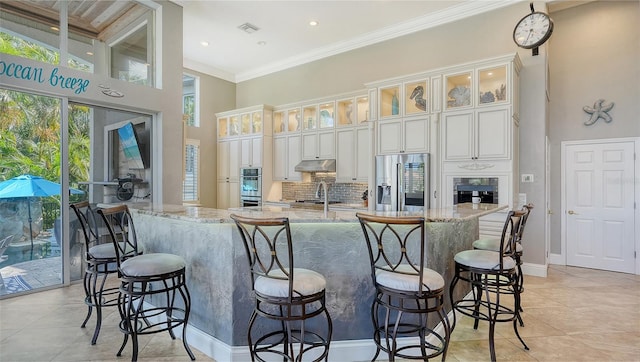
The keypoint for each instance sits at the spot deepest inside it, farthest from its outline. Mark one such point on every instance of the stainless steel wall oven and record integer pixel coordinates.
(250, 187)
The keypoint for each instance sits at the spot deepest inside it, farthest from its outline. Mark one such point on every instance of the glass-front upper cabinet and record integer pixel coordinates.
(286, 121)
(352, 111)
(492, 85)
(251, 123)
(294, 121)
(234, 126)
(256, 122)
(415, 97)
(458, 90)
(345, 113)
(245, 121)
(389, 101)
(362, 111)
(326, 115)
(279, 124)
(309, 118)
(223, 127)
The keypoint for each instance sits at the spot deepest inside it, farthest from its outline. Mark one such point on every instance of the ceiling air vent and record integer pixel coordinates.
(248, 28)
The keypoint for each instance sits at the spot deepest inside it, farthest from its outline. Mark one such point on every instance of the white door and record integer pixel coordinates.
(599, 194)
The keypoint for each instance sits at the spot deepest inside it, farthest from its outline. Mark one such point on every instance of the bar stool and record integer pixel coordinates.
(100, 262)
(492, 275)
(493, 244)
(153, 295)
(406, 290)
(291, 296)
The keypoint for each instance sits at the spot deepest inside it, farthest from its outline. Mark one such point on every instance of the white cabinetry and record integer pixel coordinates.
(286, 154)
(251, 152)
(244, 140)
(354, 157)
(318, 133)
(319, 145)
(483, 134)
(228, 174)
(479, 130)
(403, 135)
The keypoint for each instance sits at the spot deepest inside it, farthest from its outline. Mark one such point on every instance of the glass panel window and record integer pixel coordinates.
(24, 37)
(190, 100)
(190, 183)
(130, 58)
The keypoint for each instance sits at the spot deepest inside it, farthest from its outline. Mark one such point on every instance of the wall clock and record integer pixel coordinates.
(533, 30)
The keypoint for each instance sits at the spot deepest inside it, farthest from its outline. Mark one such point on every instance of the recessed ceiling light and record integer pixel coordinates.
(262, 42)
(313, 23)
(204, 43)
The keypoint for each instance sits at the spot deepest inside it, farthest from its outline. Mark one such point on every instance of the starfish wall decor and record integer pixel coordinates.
(598, 111)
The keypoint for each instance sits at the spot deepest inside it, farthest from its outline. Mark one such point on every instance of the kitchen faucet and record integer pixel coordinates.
(326, 200)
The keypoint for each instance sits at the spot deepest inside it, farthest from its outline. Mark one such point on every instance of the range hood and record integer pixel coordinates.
(316, 166)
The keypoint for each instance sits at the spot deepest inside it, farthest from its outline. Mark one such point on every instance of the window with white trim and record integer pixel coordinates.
(191, 182)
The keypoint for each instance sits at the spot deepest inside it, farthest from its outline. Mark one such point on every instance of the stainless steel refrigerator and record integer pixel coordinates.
(402, 182)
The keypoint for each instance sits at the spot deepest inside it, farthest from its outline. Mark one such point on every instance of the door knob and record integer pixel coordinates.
(571, 212)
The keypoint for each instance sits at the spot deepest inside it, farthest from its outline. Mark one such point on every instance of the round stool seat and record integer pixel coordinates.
(305, 282)
(493, 245)
(431, 279)
(484, 259)
(107, 251)
(150, 265)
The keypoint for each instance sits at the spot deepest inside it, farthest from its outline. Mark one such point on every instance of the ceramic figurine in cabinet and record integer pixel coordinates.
(418, 96)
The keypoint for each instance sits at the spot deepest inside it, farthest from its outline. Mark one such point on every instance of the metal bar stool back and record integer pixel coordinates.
(100, 261)
(288, 295)
(494, 244)
(153, 295)
(494, 281)
(407, 292)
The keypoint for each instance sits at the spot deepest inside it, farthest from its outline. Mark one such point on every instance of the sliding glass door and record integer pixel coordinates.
(30, 192)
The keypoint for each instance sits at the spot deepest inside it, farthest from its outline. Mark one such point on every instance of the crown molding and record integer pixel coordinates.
(448, 15)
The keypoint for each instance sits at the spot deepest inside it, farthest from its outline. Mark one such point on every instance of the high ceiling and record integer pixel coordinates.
(286, 39)
(283, 37)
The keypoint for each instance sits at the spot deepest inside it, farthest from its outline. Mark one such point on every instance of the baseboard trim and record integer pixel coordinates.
(341, 351)
(536, 270)
(557, 259)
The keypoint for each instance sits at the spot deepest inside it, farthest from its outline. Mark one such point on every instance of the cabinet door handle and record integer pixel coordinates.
(571, 212)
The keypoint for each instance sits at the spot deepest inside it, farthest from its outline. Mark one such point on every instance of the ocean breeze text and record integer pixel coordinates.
(18, 71)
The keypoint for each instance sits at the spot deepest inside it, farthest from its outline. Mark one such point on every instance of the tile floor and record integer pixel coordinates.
(574, 314)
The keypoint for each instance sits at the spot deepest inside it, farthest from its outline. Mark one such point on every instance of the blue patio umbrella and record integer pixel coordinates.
(28, 186)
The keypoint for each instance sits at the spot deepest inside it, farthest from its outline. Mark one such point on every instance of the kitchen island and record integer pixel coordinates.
(331, 244)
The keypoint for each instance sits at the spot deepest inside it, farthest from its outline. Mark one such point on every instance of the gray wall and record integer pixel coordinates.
(167, 101)
(216, 95)
(479, 37)
(483, 36)
(594, 53)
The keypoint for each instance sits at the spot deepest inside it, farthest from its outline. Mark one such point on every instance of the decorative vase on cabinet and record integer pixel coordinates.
(395, 104)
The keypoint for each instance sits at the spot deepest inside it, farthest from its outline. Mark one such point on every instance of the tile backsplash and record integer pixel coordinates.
(349, 193)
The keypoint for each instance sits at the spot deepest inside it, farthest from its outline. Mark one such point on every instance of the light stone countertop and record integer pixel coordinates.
(300, 215)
